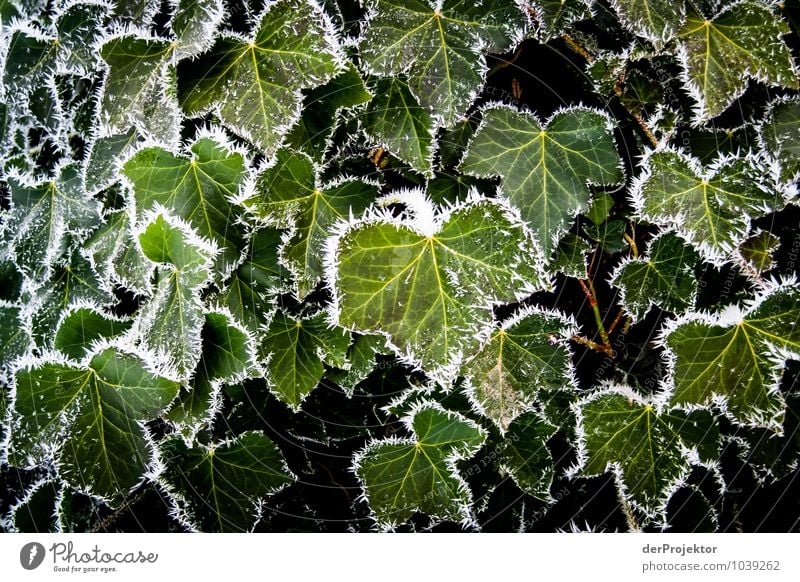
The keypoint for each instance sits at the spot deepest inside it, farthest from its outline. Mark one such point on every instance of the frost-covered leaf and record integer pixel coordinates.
(36, 512)
(440, 47)
(43, 216)
(361, 361)
(83, 326)
(14, 339)
(709, 208)
(31, 59)
(524, 455)
(665, 277)
(656, 20)
(646, 447)
(757, 250)
(194, 24)
(526, 354)
(139, 12)
(545, 170)
(78, 28)
(89, 419)
(254, 85)
(431, 291)
(737, 358)
(570, 257)
(140, 88)
(396, 121)
(200, 189)
(291, 195)
(743, 41)
(116, 256)
(104, 161)
(780, 135)
(401, 476)
(295, 350)
(553, 17)
(170, 323)
(219, 487)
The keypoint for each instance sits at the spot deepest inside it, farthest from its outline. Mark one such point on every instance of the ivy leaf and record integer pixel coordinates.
(194, 24)
(295, 350)
(430, 291)
(254, 86)
(35, 512)
(103, 164)
(439, 47)
(570, 257)
(554, 17)
(139, 12)
(665, 278)
(78, 28)
(89, 418)
(14, 339)
(710, 209)
(648, 448)
(656, 20)
(526, 354)
(84, 325)
(757, 250)
(361, 359)
(219, 487)
(780, 136)
(290, 195)
(737, 358)
(396, 121)
(116, 257)
(43, 216)
(401, 476)
(545, 169)
(140, 88)
(170, 323)
(742, 42)
(200, 190)
(31, 60)
(524, 455)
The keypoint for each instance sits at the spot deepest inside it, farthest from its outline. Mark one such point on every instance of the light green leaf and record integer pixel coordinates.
(289, 194)
(780, 136)
(401, 476)
(757, 250)
(646, 447)
(742, 42)
(431, 291)
(219, 488)
(545, 170)
(80, 328)
(140, 88)
(194, 24)
(655, 20)
(570, 257)
(524, 455)
(89, 418)
(664, 278)
(738, 358)
(43, 215)
(199, 189)
(526, 354)
(255, 85)
(295, 350)
(398, 123)
(601, 207)
(554, 17)
(440, 47)
(709, 209)
(361, 361)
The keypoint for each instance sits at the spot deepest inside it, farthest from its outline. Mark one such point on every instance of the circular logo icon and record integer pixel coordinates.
(31, 555)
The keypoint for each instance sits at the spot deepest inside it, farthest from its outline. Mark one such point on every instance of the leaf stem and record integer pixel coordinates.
(576, 47)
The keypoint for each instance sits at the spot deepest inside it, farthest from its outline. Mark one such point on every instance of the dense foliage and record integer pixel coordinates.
(327, 265)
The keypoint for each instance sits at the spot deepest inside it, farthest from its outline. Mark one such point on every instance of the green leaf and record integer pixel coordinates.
(646, 447)
(524, 455)
(116, 257)
(254, 86)
(194, 24)
(361, 361)
(742, 42)
(36, 512)
(780, 136)
(78, 28)
(140, 88)
(526, 354)
(554, 17)
(89, 419)
(430, 291)
(31, 59)
(199, 189)
(226, 357)
(601, 207)
(737, 358)
(440, 48)
(545, 169)
(140, 12)
(14, 338)
(295, 350)
(396, 121)
(710, 209)
(655, 20)
(219, 488)
(83, 326)
(401, 476)
(664, 278)
(42, 217)
(104, 162)
(570, 257)
(171, 322)
(757, 250)
(321, 112)
(289, 194)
